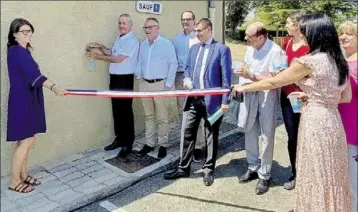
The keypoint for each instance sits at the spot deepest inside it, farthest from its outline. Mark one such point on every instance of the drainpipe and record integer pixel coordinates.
(212, 11)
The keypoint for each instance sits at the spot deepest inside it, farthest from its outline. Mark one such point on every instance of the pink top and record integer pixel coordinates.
(349, 111)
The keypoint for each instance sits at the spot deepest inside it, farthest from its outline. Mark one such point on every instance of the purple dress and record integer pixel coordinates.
(26, 112)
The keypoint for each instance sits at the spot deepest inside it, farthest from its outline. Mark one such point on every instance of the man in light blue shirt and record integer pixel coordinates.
(182, 43)
(156, 68)
(123, 59)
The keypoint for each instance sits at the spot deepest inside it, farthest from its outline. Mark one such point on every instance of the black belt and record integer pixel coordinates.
(153, 80)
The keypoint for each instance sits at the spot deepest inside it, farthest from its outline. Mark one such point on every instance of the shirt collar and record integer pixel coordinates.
(192, 33)
(158, 38)
(266, 46)
(129, 34)
(208, 42)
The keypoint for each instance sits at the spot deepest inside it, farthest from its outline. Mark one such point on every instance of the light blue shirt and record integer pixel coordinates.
(126, 45)
(157, 61)
(182, 43)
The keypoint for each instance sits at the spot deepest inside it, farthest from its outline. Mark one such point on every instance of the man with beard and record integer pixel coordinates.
(258, 113)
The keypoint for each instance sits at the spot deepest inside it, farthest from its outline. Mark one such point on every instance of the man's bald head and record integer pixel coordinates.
(256, 34)
(259, 28)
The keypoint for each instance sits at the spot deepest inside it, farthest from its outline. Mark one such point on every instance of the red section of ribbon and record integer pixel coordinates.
(147, 94)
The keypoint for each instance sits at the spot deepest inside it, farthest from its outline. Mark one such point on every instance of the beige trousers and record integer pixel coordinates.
(155, 108)
(200, 139)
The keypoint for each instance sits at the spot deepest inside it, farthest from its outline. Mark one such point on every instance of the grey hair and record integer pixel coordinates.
(127, 16)
(153, 19)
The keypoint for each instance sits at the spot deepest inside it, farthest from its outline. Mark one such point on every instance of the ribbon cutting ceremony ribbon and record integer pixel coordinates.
(146, 94)
(151, 94)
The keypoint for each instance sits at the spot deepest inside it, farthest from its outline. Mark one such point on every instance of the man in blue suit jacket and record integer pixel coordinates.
(208, 66)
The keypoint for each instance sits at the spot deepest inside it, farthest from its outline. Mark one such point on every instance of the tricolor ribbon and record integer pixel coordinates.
(147, 94)
(151, 94)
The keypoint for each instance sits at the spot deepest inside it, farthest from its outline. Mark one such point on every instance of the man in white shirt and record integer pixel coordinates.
(182, 43)
(258, 112)
(156, 68)
(122, 58)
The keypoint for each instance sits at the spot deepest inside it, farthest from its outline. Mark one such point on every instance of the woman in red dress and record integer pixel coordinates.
(295, 46)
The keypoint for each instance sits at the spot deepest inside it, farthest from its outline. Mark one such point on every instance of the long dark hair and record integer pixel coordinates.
(14, 28)
(322, 36)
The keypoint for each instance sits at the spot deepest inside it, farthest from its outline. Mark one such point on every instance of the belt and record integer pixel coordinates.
(153, 80)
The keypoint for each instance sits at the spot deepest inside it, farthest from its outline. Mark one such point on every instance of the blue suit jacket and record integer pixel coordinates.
(217, 73)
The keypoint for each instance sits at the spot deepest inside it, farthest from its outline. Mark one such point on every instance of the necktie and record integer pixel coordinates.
(197, 70)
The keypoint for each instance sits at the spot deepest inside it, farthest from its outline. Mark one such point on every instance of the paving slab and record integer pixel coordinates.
(83, 178)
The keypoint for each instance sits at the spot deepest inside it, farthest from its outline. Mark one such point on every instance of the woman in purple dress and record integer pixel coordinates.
(26, 112)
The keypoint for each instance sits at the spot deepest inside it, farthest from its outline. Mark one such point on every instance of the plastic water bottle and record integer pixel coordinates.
(92, 67)
(284, 60)
(276, 66)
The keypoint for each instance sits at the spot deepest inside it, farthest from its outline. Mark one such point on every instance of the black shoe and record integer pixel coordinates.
(124, 152)
(208, 179)
(114, 145)
(248, 176)
(291, 184)
(145, 150)
(197, 155)
(176, 173)
(162, 153)
(262, 186)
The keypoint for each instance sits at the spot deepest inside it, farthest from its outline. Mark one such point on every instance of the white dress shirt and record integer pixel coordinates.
(203, 64)
(126, 45)
(260, 61)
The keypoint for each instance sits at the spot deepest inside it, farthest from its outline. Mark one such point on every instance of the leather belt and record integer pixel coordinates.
(153, 80)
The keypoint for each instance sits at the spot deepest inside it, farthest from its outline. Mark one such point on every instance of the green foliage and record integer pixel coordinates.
(275, 12)
(338, 10)
(236, 11)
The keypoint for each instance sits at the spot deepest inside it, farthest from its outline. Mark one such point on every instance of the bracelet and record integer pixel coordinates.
(52, 86)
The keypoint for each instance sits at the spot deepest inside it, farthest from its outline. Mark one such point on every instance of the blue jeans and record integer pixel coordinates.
(291, 121)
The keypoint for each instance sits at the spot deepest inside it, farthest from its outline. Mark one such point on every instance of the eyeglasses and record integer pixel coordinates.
(25, 32)
(186, 19)
(251, 36)
(149, 27)
(199, 30)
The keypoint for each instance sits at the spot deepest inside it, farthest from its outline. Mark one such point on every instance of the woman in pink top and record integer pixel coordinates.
(348, 38)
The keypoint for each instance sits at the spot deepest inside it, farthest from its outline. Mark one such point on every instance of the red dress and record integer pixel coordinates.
(303, 50)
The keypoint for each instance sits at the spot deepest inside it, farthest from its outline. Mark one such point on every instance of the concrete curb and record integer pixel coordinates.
(99, 195)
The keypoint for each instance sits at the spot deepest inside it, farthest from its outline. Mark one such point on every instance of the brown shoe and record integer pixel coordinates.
(22, 188)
